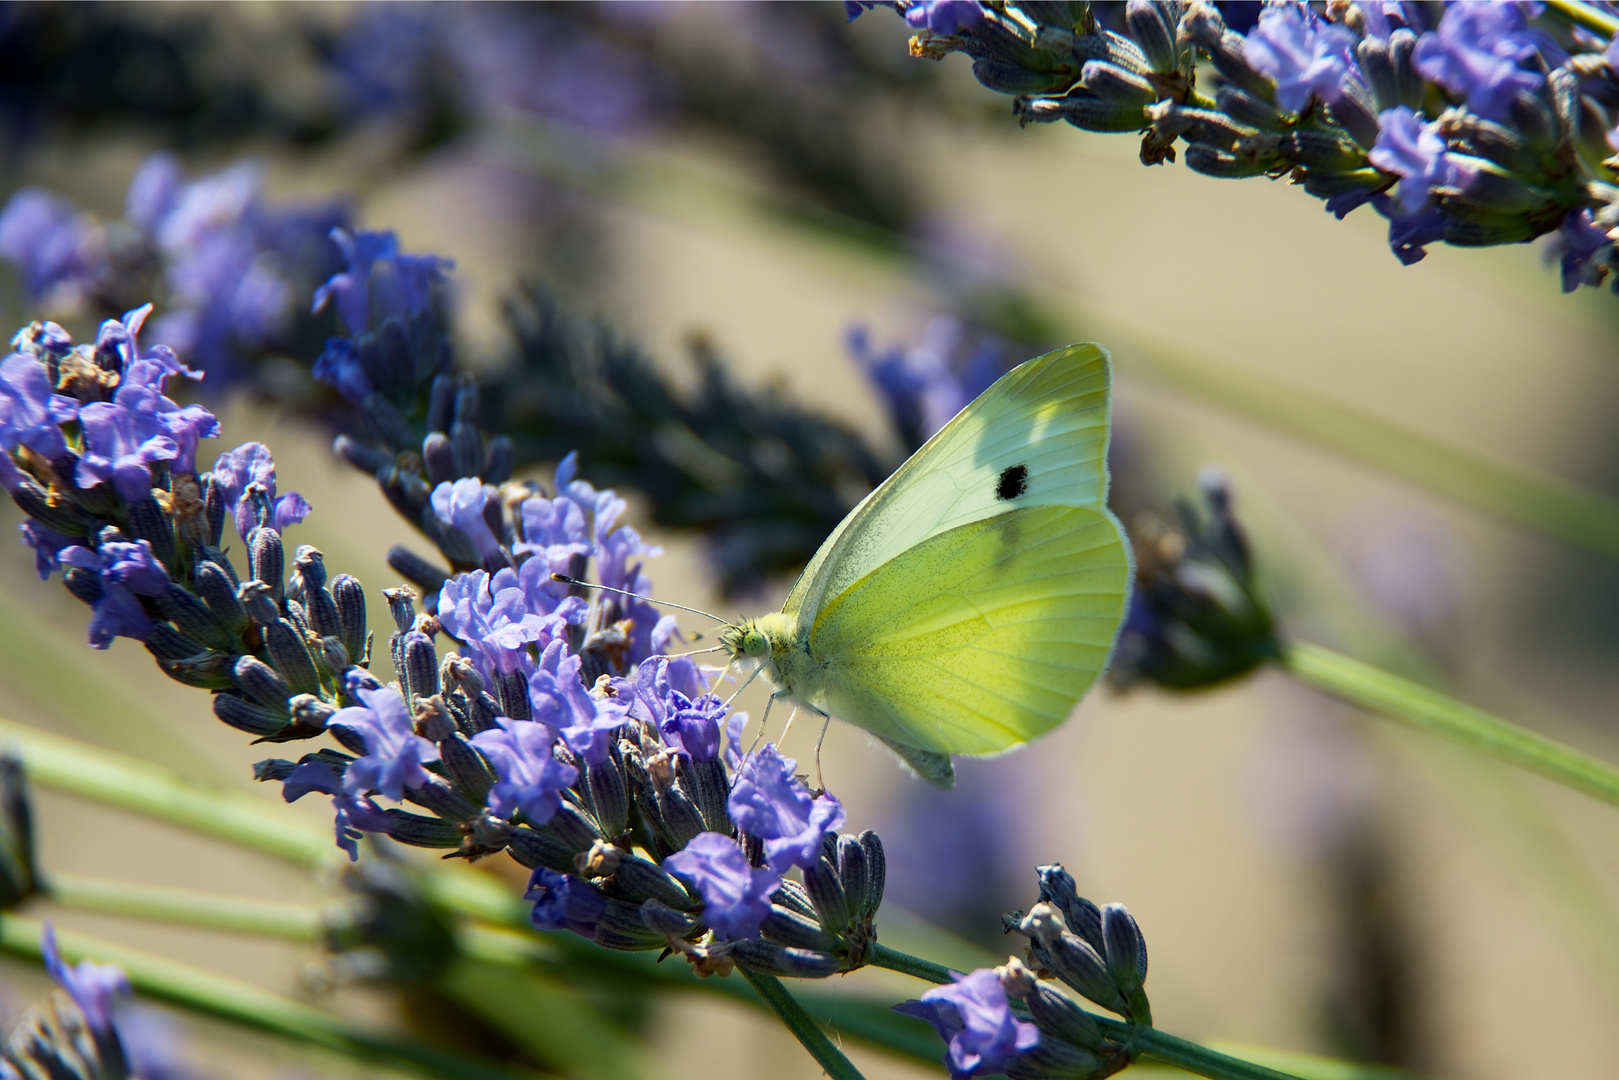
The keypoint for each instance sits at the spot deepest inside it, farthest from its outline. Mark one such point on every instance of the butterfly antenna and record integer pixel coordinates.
(679, 655)
(566, 580)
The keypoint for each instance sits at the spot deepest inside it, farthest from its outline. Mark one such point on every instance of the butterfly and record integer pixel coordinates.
(967, 603)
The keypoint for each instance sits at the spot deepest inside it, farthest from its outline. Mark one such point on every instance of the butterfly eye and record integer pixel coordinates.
(754, 644)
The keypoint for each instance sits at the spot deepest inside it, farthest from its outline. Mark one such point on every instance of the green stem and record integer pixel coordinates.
(1200, 1060)
(802, 1025)
(1144, 1040)
(119, 780)
(239, 1003)
(1585, 15)
(293, 922)
(1435, 713)
(880, 955)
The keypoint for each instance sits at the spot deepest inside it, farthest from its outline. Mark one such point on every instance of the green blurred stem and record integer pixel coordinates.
(1585, 15)
(1139, 1040)
(237, 1002)
(1435, 713)
(153, 791)
(802, 1025)
(293, 922)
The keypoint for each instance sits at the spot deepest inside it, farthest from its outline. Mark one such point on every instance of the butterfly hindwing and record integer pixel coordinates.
(1037, 437)
(980, 637)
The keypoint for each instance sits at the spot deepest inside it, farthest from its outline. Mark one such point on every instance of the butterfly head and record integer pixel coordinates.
(745, 641)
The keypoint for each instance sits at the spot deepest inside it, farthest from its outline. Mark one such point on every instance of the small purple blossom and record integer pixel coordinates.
(311, 776)
(249, 464)
(339, 367)
(94, 988)
(57, 248)
(1415, 151)
(564, 902)
(1301, 53)
(499, 618)
(122, 338)
(45, 542)
(974, 1018)
(1578, 241)
(942, 16)
(1478, 52)
(736, 896)
(927, 384)
(394, 753)
(694, 726)
(1410, 233)
(531, 779)
(768, 801)
(125, 571)
(460, 504)
(560, 701)
(377, 272)
(30, 409)
(357, 815)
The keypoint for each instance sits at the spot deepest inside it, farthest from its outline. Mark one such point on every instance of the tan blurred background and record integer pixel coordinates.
(1221, 819)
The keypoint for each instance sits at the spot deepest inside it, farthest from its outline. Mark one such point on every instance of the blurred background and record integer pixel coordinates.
(745, 185)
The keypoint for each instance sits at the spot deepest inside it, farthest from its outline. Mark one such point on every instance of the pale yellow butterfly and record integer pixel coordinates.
(971, 600)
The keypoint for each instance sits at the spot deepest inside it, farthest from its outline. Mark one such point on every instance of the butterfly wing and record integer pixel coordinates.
(980, 637)
(1037, 437)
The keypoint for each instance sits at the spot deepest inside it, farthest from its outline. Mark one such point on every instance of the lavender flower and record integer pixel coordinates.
(563, 902)
(499, 618)
(123, 571)
(926, 385)
(58, 249)
(378, 273)
(394, 753)
(942, 16)
(1478, 52)
(237, 471)
(736, 896)
(771, 803)
(357, 815)
(531, 779)
(1303, 55)
(693, 727)
(30, 410)
(1579, 242)
(461, 505)
(94, 988)
(1416, 152)
(975, 1019)
(559, 700)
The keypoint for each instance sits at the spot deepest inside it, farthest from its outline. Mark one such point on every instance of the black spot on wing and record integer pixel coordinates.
(1013, 481)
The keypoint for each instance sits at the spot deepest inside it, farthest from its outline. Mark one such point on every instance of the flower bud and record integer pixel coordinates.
(1154, 31)
(773, 958)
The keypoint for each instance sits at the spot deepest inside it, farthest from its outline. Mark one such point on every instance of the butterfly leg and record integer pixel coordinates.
(826, 722)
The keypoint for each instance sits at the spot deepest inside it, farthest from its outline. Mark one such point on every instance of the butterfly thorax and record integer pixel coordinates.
(779, 642)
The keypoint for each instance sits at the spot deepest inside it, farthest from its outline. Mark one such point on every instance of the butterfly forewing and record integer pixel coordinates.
(980, 637)
(1038, 437)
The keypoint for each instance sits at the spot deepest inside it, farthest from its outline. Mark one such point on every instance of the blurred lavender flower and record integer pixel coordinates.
(228, 264)
(975, 1019)
(94, 1032)
(926, 385)
(1301, 53)
(58, 248)
(1478, 53)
